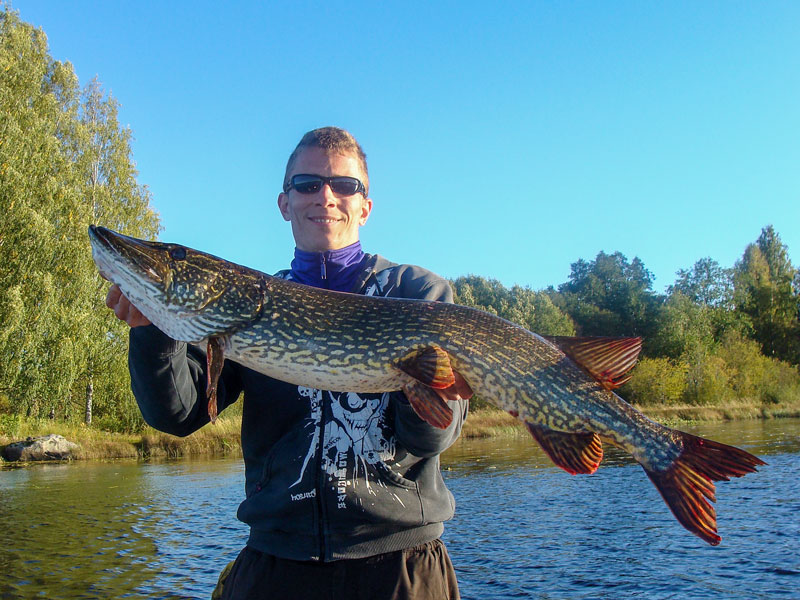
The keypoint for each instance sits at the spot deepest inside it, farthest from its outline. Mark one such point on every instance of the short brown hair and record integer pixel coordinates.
(330, 139)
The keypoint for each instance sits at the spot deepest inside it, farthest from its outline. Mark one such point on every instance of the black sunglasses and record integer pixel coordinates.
(311, 184)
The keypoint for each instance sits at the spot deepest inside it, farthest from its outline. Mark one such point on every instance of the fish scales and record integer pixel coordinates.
(560, 388)
(551, 390)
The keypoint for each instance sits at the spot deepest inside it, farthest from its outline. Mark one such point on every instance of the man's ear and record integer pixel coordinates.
(283, 206)
(366, 210)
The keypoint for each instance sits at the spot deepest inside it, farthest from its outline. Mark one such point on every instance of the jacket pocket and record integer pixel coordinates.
(378, 497)
(284, 495)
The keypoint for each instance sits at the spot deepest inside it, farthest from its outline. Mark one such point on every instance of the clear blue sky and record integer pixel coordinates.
(504, 139)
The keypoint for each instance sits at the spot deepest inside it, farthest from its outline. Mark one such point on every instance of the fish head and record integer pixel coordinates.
(187, 294)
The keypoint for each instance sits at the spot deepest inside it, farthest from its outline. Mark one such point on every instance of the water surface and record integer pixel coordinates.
(523, 528)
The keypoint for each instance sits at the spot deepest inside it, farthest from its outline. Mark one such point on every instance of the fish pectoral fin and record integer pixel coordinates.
(607, 359)
(460, 390)
(429, 405)
(429, 365)
(574, 452)
(215, 358)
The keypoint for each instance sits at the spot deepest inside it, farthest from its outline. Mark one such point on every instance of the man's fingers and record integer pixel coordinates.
(123, 309)
(113, 295)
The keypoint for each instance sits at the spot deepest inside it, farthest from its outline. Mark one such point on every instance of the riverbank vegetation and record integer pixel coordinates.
(721, 342)
(224, 437)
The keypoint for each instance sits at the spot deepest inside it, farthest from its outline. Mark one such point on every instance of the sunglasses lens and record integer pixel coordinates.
(345, 186)
(311, 184)
(307, 184)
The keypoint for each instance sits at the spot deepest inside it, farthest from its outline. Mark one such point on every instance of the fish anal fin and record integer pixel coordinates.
(687, 486)
(429, 365)
(576, 453)
(428, 404)
(607, 359)
(215, 358)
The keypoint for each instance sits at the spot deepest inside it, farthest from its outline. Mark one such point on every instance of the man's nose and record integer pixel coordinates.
(325, 196)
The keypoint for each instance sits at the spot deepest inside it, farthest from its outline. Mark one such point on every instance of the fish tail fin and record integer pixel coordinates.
(687, 485)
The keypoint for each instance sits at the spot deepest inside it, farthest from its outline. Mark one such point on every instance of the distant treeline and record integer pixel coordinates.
(66, 162)
(718, 334)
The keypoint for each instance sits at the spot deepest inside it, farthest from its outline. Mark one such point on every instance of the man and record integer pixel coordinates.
(344, 497)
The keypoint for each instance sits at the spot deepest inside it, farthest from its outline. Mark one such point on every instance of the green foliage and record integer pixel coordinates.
(9, 425)
(610, 296)
(657, 381)
(764, 292)
(533, 310)
(706, 284)
(65, 162)
(683, 325)
(707, 379)
(755, 376)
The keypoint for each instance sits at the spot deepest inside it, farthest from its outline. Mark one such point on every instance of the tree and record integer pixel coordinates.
(610, 296)
(64, 164)
(533, 310)
(705, 283)
(765, 294)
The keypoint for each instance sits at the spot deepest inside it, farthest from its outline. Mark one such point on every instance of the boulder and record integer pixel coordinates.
(46, 447)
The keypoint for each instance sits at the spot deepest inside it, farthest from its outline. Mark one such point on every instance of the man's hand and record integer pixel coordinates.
(122, 307)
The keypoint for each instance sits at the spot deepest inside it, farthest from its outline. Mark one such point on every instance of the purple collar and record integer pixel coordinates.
(332, 269)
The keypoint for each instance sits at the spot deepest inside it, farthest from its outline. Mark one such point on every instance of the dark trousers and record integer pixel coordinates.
(420, 573)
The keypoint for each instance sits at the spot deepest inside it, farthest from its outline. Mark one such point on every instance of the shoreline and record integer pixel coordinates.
(223, 438)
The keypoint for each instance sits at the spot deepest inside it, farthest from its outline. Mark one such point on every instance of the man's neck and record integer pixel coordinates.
(332, 269)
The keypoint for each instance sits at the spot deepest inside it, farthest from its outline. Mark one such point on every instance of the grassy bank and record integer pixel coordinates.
(223, 438)
(219, 439)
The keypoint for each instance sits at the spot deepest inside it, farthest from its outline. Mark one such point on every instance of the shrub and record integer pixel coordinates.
(657, 381)
(707, 381)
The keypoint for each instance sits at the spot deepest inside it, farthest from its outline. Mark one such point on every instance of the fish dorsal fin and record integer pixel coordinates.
(574, 452)
(607, 359)
(429, 365)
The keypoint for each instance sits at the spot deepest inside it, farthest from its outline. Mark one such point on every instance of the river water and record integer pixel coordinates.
(523, 528)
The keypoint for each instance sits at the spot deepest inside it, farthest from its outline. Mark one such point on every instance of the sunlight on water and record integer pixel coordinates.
(523, 528)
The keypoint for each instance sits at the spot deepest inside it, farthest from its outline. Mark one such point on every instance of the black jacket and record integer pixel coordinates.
(328, 475)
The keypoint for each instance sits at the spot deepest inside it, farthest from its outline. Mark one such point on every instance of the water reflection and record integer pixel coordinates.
(114, 530)
(526, 529)
(523, 528)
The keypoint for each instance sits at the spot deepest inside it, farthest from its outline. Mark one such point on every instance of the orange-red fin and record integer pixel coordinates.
(428, 404)
(607, 359)
(574, 452)
(215, 357)
(460, 390)
(687, 485)
(430, 365)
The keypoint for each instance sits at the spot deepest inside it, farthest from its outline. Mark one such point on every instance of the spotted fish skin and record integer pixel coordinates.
(433, 351)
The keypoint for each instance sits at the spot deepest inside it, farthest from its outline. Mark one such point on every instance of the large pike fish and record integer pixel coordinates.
(561, 388)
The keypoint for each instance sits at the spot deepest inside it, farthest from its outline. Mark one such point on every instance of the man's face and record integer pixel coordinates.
(324, 221)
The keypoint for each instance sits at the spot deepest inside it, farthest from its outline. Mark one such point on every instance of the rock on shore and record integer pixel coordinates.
(47, 447)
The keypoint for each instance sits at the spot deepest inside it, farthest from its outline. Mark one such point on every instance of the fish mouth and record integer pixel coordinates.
(113, 251)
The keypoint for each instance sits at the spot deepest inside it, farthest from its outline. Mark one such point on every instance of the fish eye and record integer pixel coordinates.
(178, 253)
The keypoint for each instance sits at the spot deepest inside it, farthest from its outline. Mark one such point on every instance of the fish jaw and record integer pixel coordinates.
(189, 295)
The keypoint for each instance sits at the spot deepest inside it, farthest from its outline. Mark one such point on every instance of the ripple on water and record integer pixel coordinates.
(523, 529)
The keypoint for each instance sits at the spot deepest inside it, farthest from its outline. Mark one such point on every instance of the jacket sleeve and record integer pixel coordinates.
(418, 436)
(168, 379)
